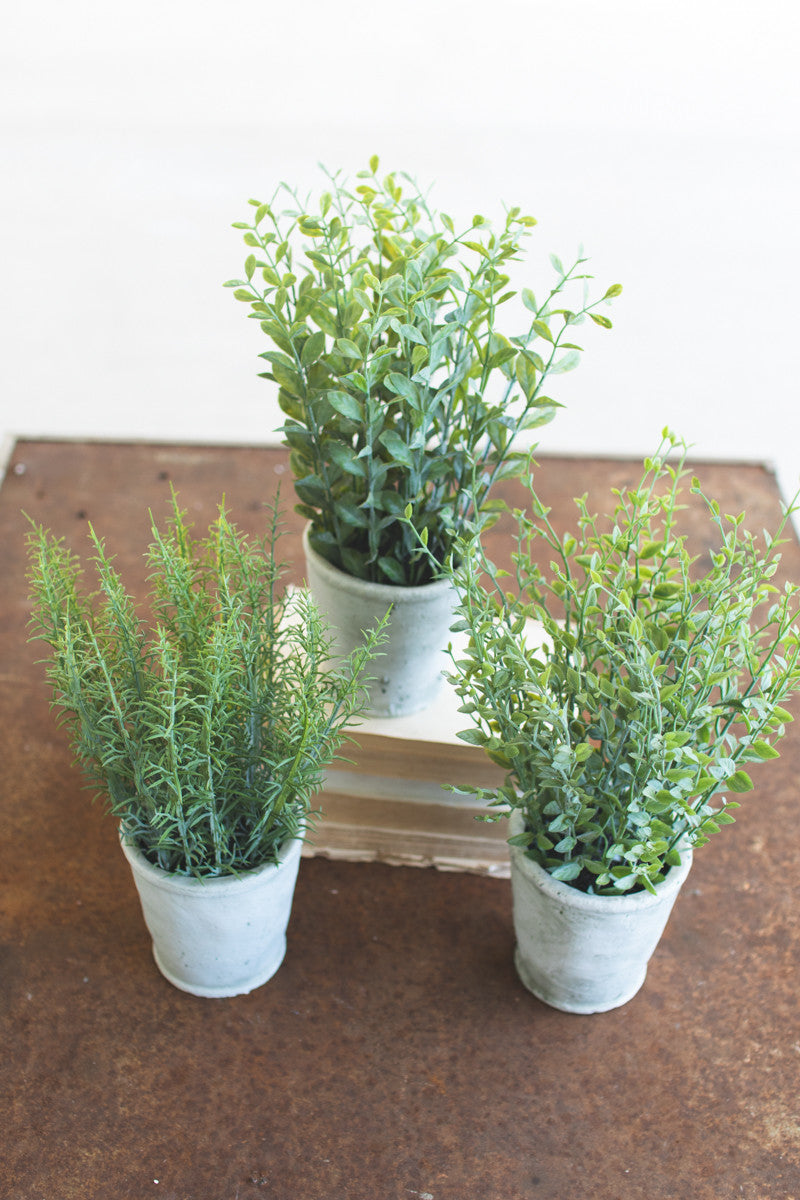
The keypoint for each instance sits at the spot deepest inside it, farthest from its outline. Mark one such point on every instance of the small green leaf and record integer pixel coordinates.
(567, 871)
(313, 348)
(344, 458)
(475, 737)
(764, 750)
(783, 715)
(392, 570)
(311, 490)
(525, 374)
(398, 449)
(352, 514)
(413, 334)
(345, 404)
(568, 363)
(401, 385)
(347, 348)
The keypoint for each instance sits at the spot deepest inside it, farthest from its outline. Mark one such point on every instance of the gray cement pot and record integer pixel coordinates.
(222, 936)
(408, 672)
(581, 953)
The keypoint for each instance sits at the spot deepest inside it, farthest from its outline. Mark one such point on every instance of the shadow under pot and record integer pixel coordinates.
(583, 953)
(407, 671)
(218, 936)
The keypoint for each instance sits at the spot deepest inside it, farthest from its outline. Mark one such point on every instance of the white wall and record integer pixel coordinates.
(664, 136)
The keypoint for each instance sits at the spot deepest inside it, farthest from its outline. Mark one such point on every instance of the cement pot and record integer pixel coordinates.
(582, 953)
(222, 936)
(408, 668)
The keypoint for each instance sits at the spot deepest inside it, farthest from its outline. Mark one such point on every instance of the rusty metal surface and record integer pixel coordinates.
(394, 1055)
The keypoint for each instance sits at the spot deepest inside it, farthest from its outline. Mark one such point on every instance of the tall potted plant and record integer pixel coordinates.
(208, 733)
(399, 388)
(627, 728)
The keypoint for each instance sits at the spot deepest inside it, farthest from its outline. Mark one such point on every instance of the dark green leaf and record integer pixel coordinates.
(346, 404)
(397, 447)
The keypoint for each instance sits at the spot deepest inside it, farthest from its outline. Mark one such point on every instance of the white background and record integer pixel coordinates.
(662, 136)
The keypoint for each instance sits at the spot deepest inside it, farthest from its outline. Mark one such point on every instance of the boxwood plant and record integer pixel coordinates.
(396, 379)
(207, 732)
(628, 730)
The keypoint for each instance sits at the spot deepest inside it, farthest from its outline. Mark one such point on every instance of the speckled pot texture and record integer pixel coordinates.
(221, 936)
(408, 673)
(582, 953)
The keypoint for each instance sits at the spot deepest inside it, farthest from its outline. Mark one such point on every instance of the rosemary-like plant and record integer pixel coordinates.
(396, 381)
(209, 732)
(659, 678)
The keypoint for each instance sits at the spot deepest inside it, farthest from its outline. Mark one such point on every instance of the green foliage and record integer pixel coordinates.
(397, 385)
(209, 732)
(659, 680)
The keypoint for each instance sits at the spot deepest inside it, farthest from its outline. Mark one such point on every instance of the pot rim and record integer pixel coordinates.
(562, 893)
(392, 592)
(210, 884)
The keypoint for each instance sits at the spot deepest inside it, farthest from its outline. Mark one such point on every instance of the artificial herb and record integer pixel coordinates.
(397, 383)
(626, 732)
(209, 731)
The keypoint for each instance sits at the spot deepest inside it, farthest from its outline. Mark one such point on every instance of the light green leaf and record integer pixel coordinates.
(567, 871)
(313, 348)
(347, 348)
(568, 363)
(764, 750)
(474, 736)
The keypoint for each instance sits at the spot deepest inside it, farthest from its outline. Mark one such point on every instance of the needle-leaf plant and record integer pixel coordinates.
(397, 382)
(208, 731)
(627, 730)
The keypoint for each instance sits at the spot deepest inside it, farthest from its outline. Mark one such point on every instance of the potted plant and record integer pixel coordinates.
(208, 733)
(399, 387)
(625, 728)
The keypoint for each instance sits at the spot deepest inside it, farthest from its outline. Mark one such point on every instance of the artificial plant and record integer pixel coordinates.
(209, 730)
(397, 382)
(626, 724)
